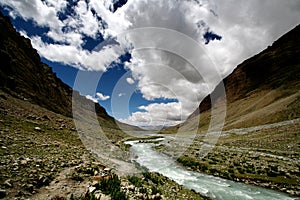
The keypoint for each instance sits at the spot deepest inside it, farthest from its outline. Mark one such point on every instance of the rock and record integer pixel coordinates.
(29, 187)
(23, 162)
(46, 117)
(140, 195)
(37, 129)
(131, 188)
(7, 183)
(157, 196)
(107, 169)
(2, 193)
(97, 195)
(94, 183)
(104, 197)
(92, 189)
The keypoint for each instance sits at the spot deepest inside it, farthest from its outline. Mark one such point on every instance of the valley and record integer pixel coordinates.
(56, 144)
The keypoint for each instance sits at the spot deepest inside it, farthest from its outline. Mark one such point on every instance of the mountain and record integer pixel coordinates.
(24, 76)
(263, 89)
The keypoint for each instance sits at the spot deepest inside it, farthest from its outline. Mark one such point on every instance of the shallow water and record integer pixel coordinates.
(214, 187)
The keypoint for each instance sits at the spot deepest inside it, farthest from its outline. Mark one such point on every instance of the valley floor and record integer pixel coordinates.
(42, 157)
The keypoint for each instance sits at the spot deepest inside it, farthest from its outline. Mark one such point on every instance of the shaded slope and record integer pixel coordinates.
(24, 76)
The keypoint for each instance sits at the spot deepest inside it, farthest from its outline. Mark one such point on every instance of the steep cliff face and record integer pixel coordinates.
(23, 75)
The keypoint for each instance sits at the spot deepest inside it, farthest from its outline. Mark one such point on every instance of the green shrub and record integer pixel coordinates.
(112, 187)
(154, 177)
(135, 181)
(143, 190)
(155, 190)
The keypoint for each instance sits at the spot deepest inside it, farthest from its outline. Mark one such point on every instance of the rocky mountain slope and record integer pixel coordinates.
(24, 76)
(263, 89)
(274, 68)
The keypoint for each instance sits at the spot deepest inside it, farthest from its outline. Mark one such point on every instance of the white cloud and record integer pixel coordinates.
(102, 97)
(99, 97)
(166, 114)
(121, 94)
(246, 27)
(130, 81)
(44, 15)
(71, 55)
(95, 100)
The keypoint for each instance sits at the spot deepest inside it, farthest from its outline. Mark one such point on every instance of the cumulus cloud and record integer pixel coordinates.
(164, 114)
(99, 97)
(130, 81)
(42, 13)
(95, 100)
(80, 58)
(102, 97)
(164, 64)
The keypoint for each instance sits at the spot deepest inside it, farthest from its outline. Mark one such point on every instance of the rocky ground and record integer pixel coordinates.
(42, 158)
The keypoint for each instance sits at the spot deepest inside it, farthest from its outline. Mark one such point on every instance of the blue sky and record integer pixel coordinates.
(155, 60)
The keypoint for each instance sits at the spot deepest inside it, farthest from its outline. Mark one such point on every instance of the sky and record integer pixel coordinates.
(149, 62)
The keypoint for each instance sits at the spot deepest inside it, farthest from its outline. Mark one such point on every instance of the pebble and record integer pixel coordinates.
(92, 189)
(131, 188)
(37, 128)
(97, 195)
(23, 162)
(94, 183)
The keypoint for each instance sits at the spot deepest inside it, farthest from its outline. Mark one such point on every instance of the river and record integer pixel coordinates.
(213, 187)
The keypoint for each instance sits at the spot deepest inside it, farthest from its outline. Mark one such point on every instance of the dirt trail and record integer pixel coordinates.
(62, 186)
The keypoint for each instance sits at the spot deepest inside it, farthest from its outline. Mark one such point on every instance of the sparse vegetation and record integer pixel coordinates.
(261, 158)
(112, 187)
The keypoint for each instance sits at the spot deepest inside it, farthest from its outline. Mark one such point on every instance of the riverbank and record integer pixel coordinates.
(268, 157)
(207, 185)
